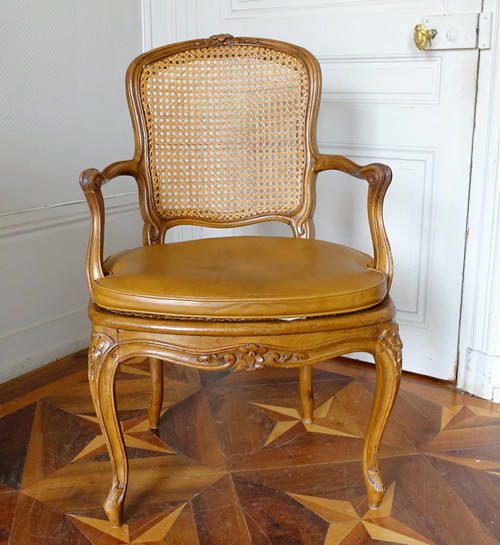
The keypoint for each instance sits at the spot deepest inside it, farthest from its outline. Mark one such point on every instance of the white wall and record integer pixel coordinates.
(63, 104)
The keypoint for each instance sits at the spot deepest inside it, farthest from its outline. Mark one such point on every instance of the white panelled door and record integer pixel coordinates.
(383, 100)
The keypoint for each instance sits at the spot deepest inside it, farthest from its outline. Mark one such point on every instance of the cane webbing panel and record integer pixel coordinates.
(226, 132)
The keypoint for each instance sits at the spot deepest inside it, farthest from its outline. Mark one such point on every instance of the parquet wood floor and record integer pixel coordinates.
(232, 463)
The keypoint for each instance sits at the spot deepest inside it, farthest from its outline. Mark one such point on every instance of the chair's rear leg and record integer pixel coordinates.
(156, 369)
(388, 367)
(306, 393)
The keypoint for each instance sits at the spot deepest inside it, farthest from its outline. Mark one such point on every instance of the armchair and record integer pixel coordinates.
(224, 137)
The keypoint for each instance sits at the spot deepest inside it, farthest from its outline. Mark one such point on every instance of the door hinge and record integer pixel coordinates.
(459, 30)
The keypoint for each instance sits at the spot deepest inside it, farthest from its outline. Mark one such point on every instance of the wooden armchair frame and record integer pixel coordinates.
(249, 343)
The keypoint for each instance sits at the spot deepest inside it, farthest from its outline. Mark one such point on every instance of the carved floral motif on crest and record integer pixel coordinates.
(227, 39)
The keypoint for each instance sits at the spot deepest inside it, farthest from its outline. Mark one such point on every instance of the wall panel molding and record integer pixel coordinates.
(23, 223)
(399, 79)
(409, 209)
(236, 9)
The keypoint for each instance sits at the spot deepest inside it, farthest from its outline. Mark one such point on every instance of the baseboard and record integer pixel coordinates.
(480, 375)
(40, 344)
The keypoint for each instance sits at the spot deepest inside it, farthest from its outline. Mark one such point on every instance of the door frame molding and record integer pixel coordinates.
(479, 343)
(160, 17)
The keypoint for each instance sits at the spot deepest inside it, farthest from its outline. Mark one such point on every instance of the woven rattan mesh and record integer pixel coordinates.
(225, 128)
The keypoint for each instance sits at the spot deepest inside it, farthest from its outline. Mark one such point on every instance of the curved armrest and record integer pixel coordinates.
(91, 181)
(379, 177)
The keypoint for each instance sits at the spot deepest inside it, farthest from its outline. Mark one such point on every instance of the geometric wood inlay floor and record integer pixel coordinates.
(232, 462)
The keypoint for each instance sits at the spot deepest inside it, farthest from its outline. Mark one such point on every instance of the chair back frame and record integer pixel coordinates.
(156, 223)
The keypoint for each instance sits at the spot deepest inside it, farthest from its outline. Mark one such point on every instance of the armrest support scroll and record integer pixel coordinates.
(91, 181)
(379, 178)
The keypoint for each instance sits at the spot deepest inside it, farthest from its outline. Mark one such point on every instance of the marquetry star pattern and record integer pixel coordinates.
(347, 527)
(463, 415)
(152, 529)
(459, 417)
(136, 434)
(345, 524)
(289, 422)
(55, 468)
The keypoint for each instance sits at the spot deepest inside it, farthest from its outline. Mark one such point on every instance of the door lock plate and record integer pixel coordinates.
(459, 30)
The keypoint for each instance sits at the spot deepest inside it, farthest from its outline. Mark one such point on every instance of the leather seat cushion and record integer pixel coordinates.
(240, 277)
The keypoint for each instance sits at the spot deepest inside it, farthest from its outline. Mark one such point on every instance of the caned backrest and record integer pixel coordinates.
(225, 129)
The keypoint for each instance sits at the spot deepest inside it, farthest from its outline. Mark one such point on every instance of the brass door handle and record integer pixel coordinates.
(422, 36)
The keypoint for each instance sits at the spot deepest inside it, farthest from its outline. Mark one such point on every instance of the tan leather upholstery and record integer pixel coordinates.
(241, 277)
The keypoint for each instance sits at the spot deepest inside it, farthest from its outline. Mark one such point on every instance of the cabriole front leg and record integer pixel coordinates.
(388, 362)
(103, 362)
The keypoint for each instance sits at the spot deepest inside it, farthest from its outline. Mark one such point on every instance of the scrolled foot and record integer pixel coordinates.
(375, 487)
(154, 418)
(113, 506)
